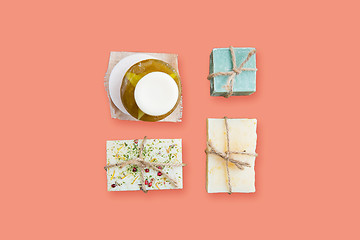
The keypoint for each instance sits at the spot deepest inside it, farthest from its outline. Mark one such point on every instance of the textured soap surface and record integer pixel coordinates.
(155, 150)
(242, 135)
(220, 61)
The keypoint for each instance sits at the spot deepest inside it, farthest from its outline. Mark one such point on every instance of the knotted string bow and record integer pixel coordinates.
(142, 164)
(226, 155)
(235, 71)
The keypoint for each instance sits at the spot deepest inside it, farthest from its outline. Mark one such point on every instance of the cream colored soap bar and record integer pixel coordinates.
(242, 137)
(155, 151)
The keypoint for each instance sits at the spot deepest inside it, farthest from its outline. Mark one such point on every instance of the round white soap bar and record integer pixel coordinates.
(156, 93)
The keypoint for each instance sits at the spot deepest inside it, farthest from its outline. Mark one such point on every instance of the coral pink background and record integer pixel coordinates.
(55, 119)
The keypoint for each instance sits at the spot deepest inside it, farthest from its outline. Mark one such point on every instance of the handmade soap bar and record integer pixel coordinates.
(154, 151)
(242, 138)
(221, 61)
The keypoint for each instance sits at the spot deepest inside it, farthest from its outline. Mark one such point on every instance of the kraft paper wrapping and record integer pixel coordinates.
(115, 57)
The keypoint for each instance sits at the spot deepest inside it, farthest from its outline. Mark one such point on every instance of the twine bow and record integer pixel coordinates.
(235, 71)
(226, 155)
(142, 164)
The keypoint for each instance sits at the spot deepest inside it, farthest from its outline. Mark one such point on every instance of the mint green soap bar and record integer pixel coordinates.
(220, 61)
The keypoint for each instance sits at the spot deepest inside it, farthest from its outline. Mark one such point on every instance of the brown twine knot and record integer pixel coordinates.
(142, 164)
(235, 71)
(226, 155)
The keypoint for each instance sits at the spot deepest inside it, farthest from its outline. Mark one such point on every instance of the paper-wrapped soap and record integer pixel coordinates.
(160, 102)
(242, 138)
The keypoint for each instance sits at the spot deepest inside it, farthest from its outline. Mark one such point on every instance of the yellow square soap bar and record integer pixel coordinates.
(242, 138)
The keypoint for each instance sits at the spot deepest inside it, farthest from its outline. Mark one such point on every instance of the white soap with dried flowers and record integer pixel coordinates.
(242, 138)
(155, 151)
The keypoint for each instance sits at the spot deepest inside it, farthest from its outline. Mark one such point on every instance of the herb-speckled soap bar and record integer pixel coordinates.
(220, 61)
(155, 150)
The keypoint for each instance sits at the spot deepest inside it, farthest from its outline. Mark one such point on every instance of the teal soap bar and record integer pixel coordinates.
(244, 82)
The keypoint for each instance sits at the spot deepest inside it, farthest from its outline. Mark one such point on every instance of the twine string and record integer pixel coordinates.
(227, 154)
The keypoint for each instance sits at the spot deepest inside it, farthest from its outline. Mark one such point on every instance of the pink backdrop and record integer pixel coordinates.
(55, 119)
